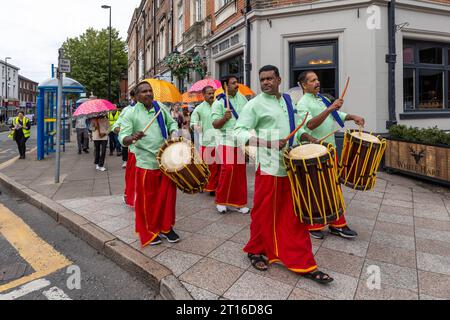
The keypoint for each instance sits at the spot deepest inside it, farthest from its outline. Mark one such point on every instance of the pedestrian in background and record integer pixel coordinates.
(20, 132)
(100, 130)
(114, 144)
(81, 126)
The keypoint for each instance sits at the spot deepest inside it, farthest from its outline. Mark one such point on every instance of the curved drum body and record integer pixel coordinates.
(316, 191)
(361, 157)
(179, 160)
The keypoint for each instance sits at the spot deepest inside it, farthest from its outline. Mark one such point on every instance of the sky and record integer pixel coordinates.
(31, 31)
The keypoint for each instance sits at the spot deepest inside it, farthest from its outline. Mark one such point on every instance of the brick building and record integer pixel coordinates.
(336, 38)
(28, 93)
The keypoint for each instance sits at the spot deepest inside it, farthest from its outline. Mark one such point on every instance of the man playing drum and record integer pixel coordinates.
(276, 234)
(232, 188)
(155, 192)
(321, 122)
(201, 121)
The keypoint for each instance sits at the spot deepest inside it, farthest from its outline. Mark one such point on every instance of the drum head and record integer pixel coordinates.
(308, 151)
(176, 156)
(366, 137)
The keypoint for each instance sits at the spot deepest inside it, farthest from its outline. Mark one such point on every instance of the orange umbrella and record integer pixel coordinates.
(164, 91)
(193, 97)
(243, 89)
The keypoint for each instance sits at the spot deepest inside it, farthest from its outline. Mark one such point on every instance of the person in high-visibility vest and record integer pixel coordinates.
(20, 132)
(114, 144)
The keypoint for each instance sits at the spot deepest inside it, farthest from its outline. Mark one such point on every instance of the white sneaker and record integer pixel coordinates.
(124, 165)
(244, 210)
(97, 167)
(102, 169)
(222, 209)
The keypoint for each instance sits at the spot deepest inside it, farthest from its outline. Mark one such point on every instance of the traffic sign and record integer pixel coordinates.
(64, 65)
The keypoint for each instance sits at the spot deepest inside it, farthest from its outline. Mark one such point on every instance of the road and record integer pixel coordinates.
(8, 147)
(41, 260)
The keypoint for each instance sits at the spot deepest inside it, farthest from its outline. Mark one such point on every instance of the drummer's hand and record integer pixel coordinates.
(174, 135)
(138, 136)
(227, 115)
(337, 105)
(359, 121)
(277, 144)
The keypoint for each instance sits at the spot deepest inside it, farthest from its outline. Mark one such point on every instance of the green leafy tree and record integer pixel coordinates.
(89, 55)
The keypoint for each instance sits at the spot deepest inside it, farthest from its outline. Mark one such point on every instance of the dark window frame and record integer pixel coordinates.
(335, 65)
(417, 67)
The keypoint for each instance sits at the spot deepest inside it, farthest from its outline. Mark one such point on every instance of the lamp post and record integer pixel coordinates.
(110, 51)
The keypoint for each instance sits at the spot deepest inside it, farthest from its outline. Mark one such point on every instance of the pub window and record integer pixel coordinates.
(426, 76)
(319, 56)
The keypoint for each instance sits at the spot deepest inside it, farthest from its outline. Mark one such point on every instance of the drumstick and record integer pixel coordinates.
(153, 120)
(228, 99)
(345, 89)
(298, 128)
(150, 124)
(328, 135)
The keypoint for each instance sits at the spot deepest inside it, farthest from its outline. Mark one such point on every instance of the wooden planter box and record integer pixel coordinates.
(431, 162)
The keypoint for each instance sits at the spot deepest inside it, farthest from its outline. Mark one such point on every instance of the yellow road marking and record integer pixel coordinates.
(43, 258)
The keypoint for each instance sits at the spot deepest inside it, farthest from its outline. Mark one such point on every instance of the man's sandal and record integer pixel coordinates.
(319, 277)
(258, 262)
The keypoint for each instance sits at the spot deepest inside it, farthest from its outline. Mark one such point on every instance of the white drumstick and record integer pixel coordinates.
(150, 124)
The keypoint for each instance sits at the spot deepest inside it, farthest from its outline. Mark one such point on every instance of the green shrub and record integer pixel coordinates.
(427, 136)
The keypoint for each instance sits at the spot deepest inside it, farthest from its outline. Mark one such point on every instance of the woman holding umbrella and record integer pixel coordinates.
(100, 130)
(96, 110)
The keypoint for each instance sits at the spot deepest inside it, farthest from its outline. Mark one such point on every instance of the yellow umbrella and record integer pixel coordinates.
(164, 91)
(243, 89)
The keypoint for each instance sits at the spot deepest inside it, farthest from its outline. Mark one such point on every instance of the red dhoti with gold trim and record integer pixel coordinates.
(232, 187)
(130, 180)
(275, 230)
(156, 197)
(209, 157)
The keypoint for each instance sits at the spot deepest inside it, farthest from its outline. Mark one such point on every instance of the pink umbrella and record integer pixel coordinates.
(94, 108)
(198, 86)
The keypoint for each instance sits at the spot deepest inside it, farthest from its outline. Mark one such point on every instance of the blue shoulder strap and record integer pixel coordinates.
(290, 108)
(335, 113)
(162, 124)
(224, 98)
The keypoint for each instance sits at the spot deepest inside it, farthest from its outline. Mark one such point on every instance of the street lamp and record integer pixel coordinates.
(110, 48)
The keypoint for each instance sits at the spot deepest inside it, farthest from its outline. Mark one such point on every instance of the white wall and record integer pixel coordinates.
(358, 52)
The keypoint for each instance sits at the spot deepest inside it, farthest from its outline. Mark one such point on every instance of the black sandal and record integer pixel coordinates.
(319, 277)
(257, 261)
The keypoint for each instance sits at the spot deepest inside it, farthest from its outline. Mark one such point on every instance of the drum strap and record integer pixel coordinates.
(161, 122)
(335, 113)
(291, 112)
(224, 98)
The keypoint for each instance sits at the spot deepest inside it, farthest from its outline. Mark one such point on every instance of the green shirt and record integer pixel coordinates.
(218, 112)
(119, 122)
(202, 117)
(147, 149)
(315, 106)
(269, 117)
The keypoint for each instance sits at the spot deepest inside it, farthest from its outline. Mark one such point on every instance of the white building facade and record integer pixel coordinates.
(349, 38)
(12, 72)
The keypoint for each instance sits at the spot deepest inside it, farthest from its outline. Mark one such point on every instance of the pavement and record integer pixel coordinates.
(402, 252)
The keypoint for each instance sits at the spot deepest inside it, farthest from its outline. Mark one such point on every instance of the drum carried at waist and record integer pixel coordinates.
(316, 192)
(179, 160)
(361, 157)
